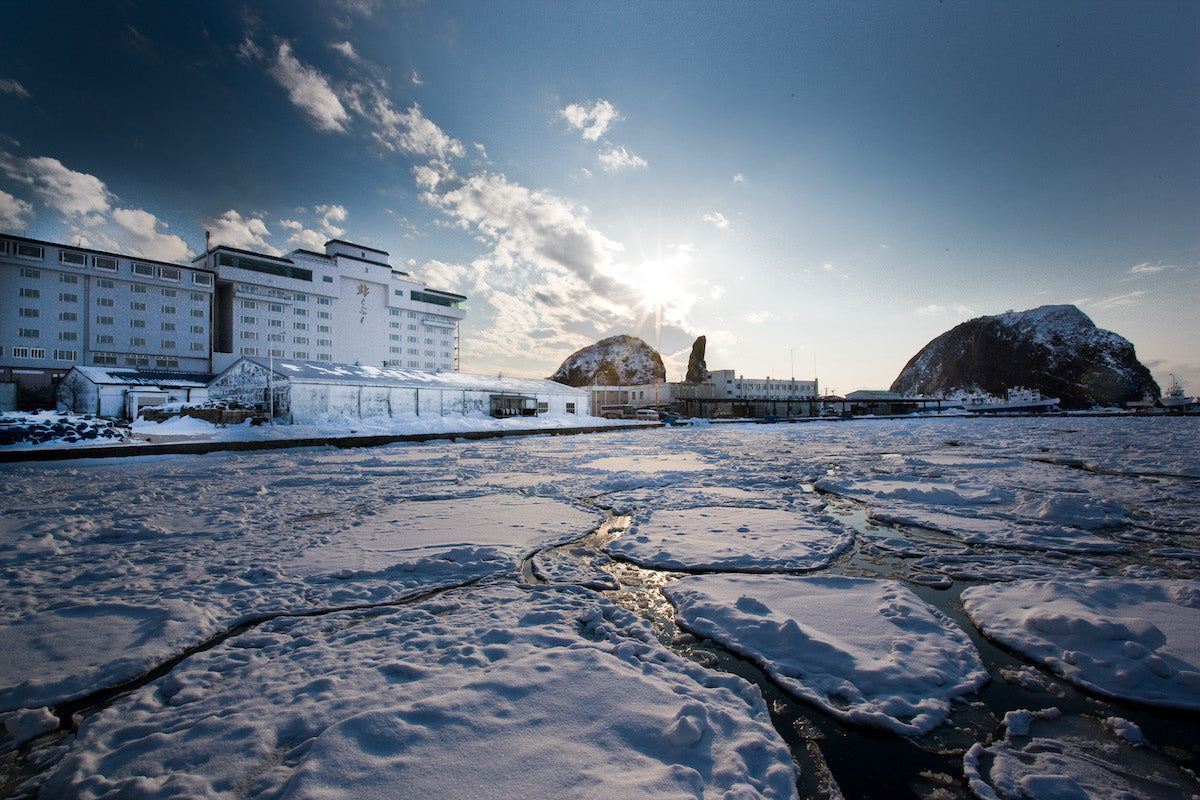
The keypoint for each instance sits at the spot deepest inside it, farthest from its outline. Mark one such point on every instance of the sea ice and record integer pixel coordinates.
(1049, 756)
(733, 539)
(867, 651)
(1128, 639)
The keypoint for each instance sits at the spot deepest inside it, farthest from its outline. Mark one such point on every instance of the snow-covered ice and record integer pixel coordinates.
(865, 650)
(736, 539)
(393, 634)
(1049, 756)
(1130, 639)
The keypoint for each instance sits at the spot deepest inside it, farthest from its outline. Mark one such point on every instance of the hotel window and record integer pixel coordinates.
(137, 288)
(65, 355)
(324, 315)
(300, 326)
(168, 309)
(201, 279)
(300, 312)
(105, 283)
(300, 298)
(275, 308)
(168, 326)
(68, 336)
(299, 340)
(20, 352)
(137, 305)
(274, 323)
(104, 358)
(248, 320)
(249, 351)
(30, 272)
(28, 312)
(137, 361)
(276, 337)
(251, 336)
(137, 341)
(250, 304)
(105, 263)
(27, 250)
(104, 338)
(105, 302)
(197, 347)
(197, 297)
(169, 292)
(324, 301)
(104, 320)
(166, 362)
(198, 312)
(198, 329)
(66, 277)
(168, 344)
(137, 323)
(68, 316)
(29, 333)
(323, 329)
(324, 343)
(324, 357)
(169, 273)
(300, 355)
(143, 269)
(327, 279)
(276, 353)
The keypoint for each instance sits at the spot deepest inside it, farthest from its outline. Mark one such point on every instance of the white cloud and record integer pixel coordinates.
(739, 178)
(13, 87)
(74, 194)
(614, 158)
(759, 317)
(347, 50)
(1146, 268)
(309, 91)
(718, 219)
(143, 237)
(411, 132)
(593, 120)
(233, 230)
(314, 239)
(415, 78)
(1119, 301)
(14, 212)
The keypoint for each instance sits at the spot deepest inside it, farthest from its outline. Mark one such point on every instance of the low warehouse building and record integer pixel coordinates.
(121, 393)
(307, 391)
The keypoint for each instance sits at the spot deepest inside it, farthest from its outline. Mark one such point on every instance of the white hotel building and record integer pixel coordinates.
(62, 306)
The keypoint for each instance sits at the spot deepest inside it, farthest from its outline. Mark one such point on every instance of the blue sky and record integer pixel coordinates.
(813, 186)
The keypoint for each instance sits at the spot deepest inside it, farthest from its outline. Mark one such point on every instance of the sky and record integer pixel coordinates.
(820, 189)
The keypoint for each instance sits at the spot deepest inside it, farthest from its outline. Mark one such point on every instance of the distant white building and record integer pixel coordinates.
(725, 393)
(306, 391)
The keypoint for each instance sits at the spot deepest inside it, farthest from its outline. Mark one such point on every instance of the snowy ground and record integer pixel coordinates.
(491, 618)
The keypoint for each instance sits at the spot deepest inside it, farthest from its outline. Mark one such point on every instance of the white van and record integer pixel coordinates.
(647, 413)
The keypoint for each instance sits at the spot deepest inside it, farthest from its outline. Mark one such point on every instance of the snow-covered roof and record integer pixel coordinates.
(321, 372)
(142, 377)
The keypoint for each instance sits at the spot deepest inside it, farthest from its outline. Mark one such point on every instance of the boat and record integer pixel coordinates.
(1016, 399)
(1173, 398)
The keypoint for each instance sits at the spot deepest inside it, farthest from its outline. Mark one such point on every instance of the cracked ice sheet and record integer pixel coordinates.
(495, 692)
(106, 575)
(867, 651)
(736, 539)
(1046, 755)
(1000, 532)
(1127, 639)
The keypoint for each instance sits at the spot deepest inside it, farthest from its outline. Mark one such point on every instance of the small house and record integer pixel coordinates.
(120, 393)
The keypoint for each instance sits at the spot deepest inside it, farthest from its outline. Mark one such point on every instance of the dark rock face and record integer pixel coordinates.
(697, 371)
(1057, 350)
(616, 361)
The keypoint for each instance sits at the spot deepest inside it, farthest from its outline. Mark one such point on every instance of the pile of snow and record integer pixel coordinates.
(1135, 640)
(866, 651)
(56, 429)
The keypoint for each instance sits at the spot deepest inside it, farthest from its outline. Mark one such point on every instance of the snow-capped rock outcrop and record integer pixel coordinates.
(1055, 349)
(615, 361)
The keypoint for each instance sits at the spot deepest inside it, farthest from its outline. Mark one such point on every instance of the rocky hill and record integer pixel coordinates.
(1057, 350)
(616, 361)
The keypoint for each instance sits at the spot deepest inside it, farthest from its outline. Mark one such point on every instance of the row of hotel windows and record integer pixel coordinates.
(101, 283)
(110, 359)
(298, 355)
(105, 263)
